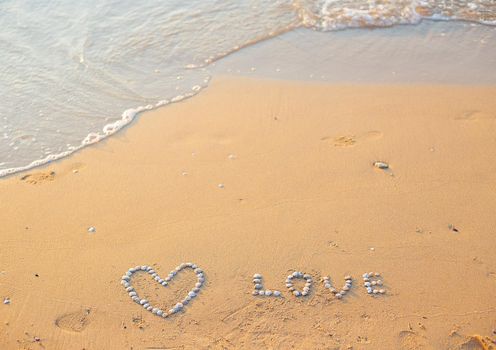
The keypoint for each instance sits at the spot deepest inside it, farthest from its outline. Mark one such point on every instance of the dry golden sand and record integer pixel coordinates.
(300, 194)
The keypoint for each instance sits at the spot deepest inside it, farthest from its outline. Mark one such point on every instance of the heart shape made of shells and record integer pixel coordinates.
(126, 282)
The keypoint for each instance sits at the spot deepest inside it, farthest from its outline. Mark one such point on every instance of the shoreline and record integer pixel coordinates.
(418, 54)
(299, 193)
(122, 125)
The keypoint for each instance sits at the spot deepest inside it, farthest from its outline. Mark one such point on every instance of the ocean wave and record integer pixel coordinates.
(127, 117)
(329, 15)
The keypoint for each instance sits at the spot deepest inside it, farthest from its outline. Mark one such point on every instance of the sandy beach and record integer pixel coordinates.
(269, 177)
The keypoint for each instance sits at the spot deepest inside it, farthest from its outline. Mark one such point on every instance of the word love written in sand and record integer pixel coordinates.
(371, 281)
(126, 282)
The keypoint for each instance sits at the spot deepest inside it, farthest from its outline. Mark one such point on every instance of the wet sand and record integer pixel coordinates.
(299, 193)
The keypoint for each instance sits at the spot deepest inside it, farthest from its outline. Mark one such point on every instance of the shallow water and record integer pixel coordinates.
(75, 72)
(431, 52)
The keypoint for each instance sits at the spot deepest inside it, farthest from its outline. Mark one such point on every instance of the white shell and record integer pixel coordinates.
(91, 229)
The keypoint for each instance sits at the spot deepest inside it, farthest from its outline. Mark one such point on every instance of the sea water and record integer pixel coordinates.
(75, 72)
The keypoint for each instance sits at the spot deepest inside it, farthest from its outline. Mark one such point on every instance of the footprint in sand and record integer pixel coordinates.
(74, 321)
(351, 140)
(38, 178)
(410, 340)
(477, 342)
(345, 141)
(475, 115)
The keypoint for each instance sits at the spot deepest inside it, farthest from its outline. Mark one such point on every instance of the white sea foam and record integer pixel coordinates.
(329, 15)
(127, 117)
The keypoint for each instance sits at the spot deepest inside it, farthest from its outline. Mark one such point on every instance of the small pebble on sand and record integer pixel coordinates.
(91, 229)
(6, 301)
(220, 185)
(381, 165)
(452, 228)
